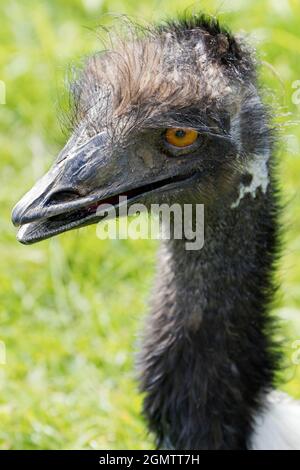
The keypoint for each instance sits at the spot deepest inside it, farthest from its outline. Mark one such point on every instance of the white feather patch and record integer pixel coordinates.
(278, 426)
(258, 169)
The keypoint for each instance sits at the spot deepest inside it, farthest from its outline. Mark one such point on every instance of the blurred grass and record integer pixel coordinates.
(71, 307)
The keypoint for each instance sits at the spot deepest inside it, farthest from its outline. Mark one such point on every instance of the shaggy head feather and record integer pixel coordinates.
(158, 72)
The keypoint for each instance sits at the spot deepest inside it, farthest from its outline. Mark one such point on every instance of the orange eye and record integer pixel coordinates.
(180, 137)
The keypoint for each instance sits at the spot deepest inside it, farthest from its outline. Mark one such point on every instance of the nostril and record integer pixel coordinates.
(64, 195)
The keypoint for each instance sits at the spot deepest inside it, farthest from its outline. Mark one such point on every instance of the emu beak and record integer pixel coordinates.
(80, 181)
(68, 195)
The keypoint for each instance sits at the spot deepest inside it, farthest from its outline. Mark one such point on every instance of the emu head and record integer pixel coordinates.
(170, 116)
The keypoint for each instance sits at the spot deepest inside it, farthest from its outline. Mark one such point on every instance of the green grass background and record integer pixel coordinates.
(71, 307)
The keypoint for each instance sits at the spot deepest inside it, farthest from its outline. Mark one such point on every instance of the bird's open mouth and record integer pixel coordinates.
(78, 212)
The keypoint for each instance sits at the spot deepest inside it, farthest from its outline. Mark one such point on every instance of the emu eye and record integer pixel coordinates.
(180, 137)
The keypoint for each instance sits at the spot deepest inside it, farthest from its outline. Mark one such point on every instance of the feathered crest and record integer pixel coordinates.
(143, 71)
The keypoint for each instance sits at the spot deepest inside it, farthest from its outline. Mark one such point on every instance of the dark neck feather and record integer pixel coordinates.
(208, 355)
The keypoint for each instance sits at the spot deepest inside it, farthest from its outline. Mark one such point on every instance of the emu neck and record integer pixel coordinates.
(208, 357)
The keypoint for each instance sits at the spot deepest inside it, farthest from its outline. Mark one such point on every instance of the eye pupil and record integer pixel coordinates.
(180, 133)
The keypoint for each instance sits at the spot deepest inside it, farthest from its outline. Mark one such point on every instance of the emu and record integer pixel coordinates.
(175, 115)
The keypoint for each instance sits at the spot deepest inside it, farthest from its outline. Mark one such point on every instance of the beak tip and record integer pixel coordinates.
(16, 216)
(22, 235)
